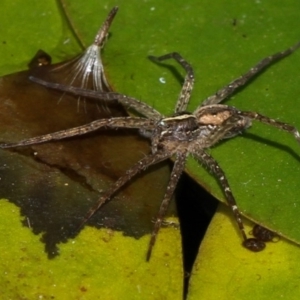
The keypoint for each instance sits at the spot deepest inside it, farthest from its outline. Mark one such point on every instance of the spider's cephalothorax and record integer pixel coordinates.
(182, 128)
(176, 136)
(188, 132)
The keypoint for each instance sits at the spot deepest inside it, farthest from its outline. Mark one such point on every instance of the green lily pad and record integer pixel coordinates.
(85, 269)
(240, 274)
(221, 41)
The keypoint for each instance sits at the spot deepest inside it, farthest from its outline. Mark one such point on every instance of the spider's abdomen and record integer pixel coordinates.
(217, 122)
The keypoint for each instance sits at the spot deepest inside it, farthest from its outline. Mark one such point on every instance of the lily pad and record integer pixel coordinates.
(240, 274)
(85, 269)
(262, 165)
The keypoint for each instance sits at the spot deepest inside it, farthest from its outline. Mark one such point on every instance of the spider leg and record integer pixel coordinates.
(227, 90)
(178, 168)
(103, 31)
(129, 102)
(188, 84)
(283, 126)
(122, 122)
(142, 164)
(214, 167)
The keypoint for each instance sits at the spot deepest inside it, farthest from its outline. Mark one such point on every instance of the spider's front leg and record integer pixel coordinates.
(121, 122)
(229, 89)
(252, 244)
(188, 84)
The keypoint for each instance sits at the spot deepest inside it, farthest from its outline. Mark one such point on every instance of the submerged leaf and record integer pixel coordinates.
(54, 205)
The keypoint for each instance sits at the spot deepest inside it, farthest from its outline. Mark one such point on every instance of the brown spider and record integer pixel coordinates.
(177, 136)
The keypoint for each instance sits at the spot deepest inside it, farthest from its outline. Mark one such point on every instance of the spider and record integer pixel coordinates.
(176, 136)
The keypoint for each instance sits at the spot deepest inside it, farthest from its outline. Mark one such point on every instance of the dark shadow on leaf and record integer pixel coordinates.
(274, 144)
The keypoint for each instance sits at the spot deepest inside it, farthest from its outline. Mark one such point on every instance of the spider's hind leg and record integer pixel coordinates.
(188, 84)
(252, 244)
